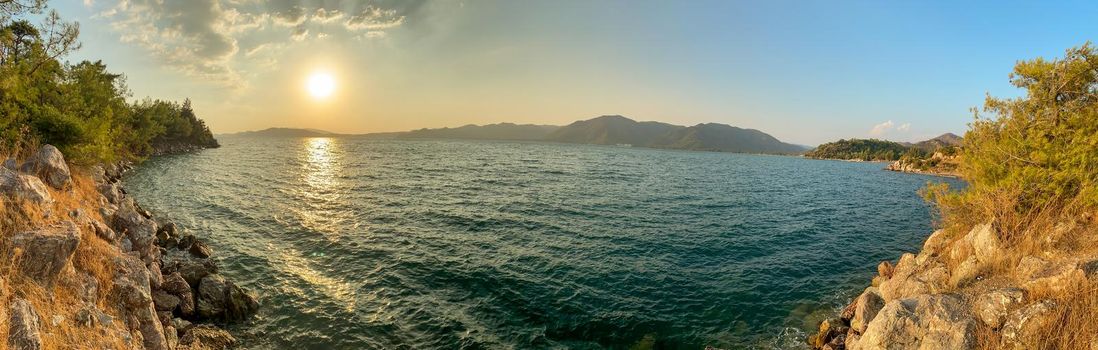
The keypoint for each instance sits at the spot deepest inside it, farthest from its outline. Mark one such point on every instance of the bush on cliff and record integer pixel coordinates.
(1035, 156)
(1031, 163)
(80, 108)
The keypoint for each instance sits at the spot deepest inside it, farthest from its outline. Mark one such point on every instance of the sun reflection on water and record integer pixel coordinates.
(320, 163)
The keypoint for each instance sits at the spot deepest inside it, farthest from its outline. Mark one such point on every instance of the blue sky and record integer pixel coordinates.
(804, 71)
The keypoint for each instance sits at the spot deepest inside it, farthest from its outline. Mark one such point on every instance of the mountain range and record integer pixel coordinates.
(604, 130)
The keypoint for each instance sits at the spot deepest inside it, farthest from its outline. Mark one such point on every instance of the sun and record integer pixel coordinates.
(320, 85)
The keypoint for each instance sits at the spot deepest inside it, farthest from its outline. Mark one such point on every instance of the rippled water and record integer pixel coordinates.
(354, 243)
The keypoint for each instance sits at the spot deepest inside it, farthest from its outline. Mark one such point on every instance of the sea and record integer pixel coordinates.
(360, 243)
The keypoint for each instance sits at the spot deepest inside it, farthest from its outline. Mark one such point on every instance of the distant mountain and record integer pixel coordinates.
(501, 131)
(604, 130)
(612, 130)
(944, 140)
(617, 130)
(287, 132)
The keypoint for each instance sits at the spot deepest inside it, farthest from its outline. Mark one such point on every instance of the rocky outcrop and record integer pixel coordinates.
(938, 321)
(205, 337)
(957, 283)
(43, 253)
(24, 187)
(151, 290)
(939, 164)
(23, 326)
(49, 165)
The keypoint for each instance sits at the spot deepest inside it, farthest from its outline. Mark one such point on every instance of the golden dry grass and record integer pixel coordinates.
(61, 301)
(1058, 235)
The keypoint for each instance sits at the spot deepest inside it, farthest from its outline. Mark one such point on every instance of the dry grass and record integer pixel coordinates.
(61, 302)
(1059, 235)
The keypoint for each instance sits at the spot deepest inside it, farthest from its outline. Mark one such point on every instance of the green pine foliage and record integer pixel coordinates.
(861, 149)
(80, 108)
(1033, 156)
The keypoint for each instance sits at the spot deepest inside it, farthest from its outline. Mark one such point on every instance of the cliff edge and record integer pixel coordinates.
(86, 267)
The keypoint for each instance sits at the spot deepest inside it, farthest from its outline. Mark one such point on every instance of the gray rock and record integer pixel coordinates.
(140, 230)
(44, 253)
(219, 299)
(90, 316)
(23, 333)
(24, 187)
(49, 165)
(867, 305)
(992, 307)
(11, 164)
(212, 297)
(1023, 324)
(923, 322)
(175, 285)
(206, 337)
(190, 268)
(985, 242)
(165, 301)
(200, 250)
(131, 288)
(968, 270)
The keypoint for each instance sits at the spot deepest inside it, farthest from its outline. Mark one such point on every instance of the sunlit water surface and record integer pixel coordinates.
(359, 244)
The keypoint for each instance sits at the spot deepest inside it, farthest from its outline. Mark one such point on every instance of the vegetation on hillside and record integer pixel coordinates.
(80, 108)
(1031, 164)
(863, 149)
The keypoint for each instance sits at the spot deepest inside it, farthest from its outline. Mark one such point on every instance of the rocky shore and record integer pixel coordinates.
(967, 290)
(139, 279)
(938, 164)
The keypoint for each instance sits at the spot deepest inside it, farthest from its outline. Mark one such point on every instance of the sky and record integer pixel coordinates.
(806, 72)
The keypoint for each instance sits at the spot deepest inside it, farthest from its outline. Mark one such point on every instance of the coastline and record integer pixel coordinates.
(963, 290)
(143, 281)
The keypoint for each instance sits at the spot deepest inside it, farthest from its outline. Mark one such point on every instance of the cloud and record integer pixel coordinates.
(881, 128)
(203, 38)
(891, 129)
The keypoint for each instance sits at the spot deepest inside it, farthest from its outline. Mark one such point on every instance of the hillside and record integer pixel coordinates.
(859, 149)
(615, 130)
(286, 132)
(942, 141)
(501, 131)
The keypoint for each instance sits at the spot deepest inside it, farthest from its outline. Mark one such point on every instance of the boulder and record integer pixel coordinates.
(140, 230)
(829, 330)
(220, 299)
(199, 249)
(923, 322)
(992, 307)
(190, 268)
(935, 243)
(23, 326)
(91, 316)
(1024, 324)
(11, 164)
(968, 270)
(1054, 278)
(44, 253)
(1090, 269)
(165, 301)
(132, 292)
(175, 285)
(867, 305)
(885, 269)
(985, 242)
(911, 279)
(25, 187)
(49, 165)
(206, 337)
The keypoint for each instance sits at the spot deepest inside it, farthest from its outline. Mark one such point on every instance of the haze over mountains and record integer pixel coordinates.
(604, 130)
